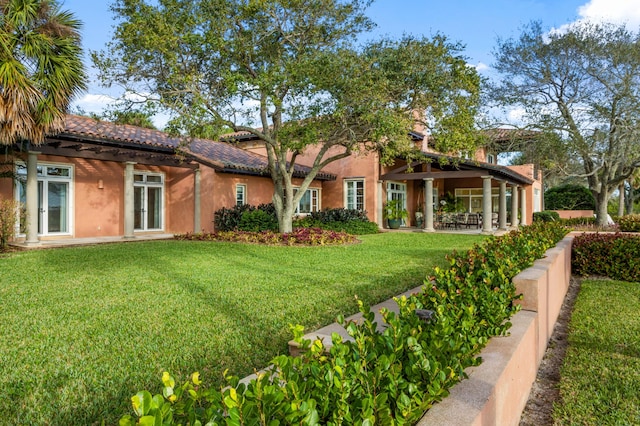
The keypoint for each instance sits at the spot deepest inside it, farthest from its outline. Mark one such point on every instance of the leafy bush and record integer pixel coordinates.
(616, 256)
(8, 219)
(569, 197)
(546, 216)
(299, 236)
(228, 219)
(629, 223)
(579, 221)
(351, 221)
(339, 215)
(257, 220)
(380, 377)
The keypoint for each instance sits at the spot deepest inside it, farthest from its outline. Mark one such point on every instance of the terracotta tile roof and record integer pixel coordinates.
(102, 130)
(220, 155)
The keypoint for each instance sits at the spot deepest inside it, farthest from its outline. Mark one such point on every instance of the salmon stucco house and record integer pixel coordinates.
(99, 179)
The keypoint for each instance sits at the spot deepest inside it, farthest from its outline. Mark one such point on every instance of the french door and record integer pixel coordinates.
(148, 203)
(54, 197)
(398, 191)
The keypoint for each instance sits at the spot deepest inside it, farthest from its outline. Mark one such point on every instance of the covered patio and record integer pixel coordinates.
(481, 189)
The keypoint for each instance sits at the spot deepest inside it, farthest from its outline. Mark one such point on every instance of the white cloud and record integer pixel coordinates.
(482, 67)
(94, 103)
(616, 12)
(516, 115)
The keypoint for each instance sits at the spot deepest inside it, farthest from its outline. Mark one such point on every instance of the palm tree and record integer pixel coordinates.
(41, 68)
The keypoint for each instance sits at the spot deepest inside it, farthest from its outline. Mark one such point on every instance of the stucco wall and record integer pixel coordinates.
(568, 214)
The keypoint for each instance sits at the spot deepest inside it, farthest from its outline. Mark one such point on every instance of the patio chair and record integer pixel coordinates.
(473, 219)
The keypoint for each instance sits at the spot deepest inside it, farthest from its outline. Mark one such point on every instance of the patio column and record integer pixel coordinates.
(486, 205)
(502, 215)
(129, 200)
(33, 210)
(379, 205)
(196, 202)
(523, 206)
(428, 208)
(514, 207)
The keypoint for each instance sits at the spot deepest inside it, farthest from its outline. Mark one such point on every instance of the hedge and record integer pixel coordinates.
(546, 216)
(629, 223)
(616, 256)
(380, 377)
(569, 197)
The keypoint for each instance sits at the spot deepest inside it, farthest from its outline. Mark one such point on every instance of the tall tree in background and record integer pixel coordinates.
(583, 84)
(40, 68)
(288, 72)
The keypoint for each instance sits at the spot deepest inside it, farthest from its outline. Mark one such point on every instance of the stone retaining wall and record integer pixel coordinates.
(497, 390)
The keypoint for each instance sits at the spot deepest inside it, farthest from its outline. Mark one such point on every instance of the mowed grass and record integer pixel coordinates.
(600, 378)
(85, 328)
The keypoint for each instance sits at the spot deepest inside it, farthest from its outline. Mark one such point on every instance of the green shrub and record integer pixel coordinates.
(339, 215)
(388, 377)
(351, 221)
(8, 219)
(629, 223)
(616, 256)
(569, 197)
(579, 221)
(228, 219)
(546, 216)
(257, 220)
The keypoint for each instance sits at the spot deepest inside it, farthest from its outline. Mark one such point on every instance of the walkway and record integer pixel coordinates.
(74, 242)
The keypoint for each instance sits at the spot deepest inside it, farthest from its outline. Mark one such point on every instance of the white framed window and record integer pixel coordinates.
(354, 194)
(472, 199)
(55, 197)
(241, 194)
(148, 201)
(491, 159)
(309, 203)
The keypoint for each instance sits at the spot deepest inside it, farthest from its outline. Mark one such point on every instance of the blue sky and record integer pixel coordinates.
(475, 23)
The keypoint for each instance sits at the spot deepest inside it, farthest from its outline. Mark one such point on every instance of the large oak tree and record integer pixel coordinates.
(290, 73)
(584, 85)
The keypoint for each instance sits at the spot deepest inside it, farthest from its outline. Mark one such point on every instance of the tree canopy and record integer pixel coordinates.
(291, 73)
(584, 85)
(41, 68)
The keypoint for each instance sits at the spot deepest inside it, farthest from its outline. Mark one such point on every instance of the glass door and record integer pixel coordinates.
(398, 191)
(54, 195)
(55, 205)
(147, 203)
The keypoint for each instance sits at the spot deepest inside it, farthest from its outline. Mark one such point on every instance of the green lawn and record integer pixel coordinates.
(85, 328)
(600, 378)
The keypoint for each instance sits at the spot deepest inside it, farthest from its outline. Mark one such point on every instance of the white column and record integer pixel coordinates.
(502, 215)
(428, 208)
(523, 206)
(33, 210)
(196, 202)
(486, 205)
(379, 205)
(514, 206)
(129, 200)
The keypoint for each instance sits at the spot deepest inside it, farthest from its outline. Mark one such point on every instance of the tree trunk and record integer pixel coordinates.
(621, 199)
(284, 214)
(602, 200)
